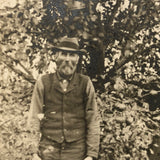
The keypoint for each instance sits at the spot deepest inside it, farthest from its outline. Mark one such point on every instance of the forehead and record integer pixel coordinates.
(66, 53)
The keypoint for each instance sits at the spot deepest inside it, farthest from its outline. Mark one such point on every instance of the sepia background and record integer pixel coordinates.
(122, 40)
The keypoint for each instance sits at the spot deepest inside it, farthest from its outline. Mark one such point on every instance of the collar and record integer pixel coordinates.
(73, 82)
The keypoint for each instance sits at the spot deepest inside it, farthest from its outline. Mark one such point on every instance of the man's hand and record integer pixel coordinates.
(88, 158)
(36, 157)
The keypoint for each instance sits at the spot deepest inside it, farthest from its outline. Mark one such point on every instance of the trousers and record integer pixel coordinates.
(51, 150)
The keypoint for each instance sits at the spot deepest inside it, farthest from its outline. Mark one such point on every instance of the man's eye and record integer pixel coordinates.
(63, 53)
(72, 54)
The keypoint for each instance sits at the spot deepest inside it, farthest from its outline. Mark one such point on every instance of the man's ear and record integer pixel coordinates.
(77, 60)
(56, 56)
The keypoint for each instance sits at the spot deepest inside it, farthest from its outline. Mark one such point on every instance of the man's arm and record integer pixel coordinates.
(36, 109)
(92, 120)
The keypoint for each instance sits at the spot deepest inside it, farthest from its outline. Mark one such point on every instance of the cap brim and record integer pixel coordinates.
(82, 51)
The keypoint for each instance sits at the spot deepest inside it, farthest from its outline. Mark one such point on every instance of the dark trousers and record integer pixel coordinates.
(51, 150)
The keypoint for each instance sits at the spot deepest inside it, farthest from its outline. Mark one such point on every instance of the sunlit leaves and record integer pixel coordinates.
(127, 130)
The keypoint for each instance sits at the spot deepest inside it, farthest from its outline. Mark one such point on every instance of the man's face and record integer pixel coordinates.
(66, 63)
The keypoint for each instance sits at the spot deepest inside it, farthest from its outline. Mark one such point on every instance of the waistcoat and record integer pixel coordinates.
(64, 112)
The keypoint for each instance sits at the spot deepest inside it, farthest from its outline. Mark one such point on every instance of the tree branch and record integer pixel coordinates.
(7, 121)
(8, 62)
(17, 61)
(119, 65)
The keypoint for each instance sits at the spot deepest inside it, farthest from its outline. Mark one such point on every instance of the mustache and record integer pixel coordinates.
(66, 63)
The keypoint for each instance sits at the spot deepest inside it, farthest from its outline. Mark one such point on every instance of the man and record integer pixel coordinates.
(70, 126)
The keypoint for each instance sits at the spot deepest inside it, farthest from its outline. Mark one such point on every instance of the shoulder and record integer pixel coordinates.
(46, 77)
(83, 77)
(84, 80)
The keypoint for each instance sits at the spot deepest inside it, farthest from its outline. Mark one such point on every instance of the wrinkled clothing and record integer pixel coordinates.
(51, 150)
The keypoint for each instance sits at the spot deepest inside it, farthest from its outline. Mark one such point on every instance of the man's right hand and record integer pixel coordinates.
(36, 157)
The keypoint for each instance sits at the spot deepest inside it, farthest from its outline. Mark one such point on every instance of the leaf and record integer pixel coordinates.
(107, 84)
(119, 84)
(120, 119)
(94, 18)
(157, 118)
(85, 35)
(156, 145)
(153, 92)
(40, 116)
(140, 92)
(129, 120)
(151, 151)
(19, 143)
(120, 106)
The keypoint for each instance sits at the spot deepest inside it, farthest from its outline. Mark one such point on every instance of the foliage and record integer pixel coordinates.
(16, 142)
(123, 44)
(127, 126)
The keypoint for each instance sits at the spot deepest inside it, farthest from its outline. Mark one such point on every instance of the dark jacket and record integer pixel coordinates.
(64, 111)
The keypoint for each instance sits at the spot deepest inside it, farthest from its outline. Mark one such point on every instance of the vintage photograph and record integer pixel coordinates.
(80, 80)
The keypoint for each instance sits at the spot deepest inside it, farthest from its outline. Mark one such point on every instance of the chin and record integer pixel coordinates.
(67, 74)
(68, 71)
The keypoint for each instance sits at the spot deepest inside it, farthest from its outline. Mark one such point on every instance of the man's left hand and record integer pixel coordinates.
(88, 158)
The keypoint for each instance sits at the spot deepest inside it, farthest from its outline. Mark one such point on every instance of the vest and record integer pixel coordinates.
(64, 112)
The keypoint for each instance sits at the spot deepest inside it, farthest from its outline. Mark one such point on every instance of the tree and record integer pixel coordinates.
(122, 40)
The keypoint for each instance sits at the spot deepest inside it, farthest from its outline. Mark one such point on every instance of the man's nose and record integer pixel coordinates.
(67, 57)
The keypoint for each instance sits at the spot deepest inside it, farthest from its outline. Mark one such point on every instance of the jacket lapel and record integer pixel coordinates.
(73, 83)
(56, 83)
